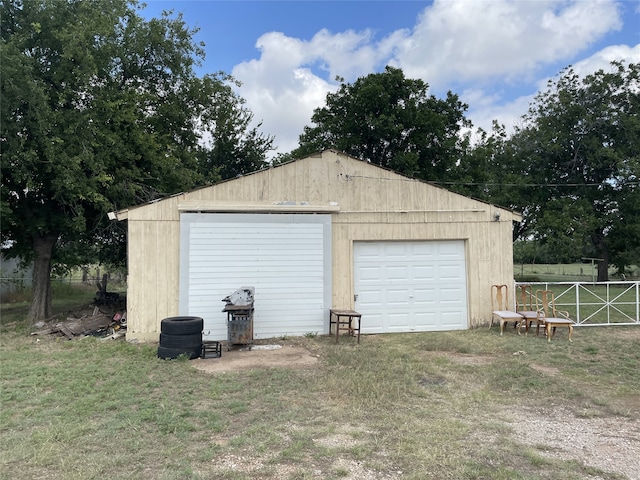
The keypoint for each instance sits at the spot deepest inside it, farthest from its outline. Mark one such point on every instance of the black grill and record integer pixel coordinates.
(239, 308)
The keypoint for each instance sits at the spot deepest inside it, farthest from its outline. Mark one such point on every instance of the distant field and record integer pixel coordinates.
(564, 272)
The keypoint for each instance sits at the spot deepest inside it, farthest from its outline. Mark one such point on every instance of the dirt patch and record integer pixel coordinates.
(553, 371)
(260, 356)
(462, 359)
(633, 333)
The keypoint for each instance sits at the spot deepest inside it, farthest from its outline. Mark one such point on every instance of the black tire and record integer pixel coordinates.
(181, 325)
(193, 340)
(191, 353)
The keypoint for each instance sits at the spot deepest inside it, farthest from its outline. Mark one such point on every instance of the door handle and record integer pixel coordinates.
(355, 297)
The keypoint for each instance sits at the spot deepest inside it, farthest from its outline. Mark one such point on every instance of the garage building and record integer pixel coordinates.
(326, 231)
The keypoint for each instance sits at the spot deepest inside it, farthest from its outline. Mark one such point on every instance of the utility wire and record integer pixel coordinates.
(347, 177)
(485, 184)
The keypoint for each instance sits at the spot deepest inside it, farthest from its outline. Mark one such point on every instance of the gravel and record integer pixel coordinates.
(609, 443)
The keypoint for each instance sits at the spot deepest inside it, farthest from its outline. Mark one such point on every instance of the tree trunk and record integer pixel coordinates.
(602, 252)
(40, 308)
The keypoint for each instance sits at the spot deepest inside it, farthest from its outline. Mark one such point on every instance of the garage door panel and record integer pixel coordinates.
(371, 299)
(370, 273)
(374, 324)
(397, 296)
(452, 295)
(425, 321)
(424, 296)
(285, 257)
(450, 320)
(423, 272)
(424, 258)
(396, 272)
(397, 322)
(370, 250)
(411, 286)
(393, 329)
(420, 251)
(450, 248)
(302, 300)
(397, 259)
(395, 251)
(449, 272)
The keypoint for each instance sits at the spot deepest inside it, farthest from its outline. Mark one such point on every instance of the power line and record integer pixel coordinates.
(347, 178)
(486, 184)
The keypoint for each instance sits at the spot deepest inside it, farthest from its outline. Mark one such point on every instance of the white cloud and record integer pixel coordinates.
(486, 106)
(603, 58)
(484, 40)
(285, 105)
(454, 42)
(284, 85)
(482, 113)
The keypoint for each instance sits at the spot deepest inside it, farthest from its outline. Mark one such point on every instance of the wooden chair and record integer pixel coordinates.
(500, 307)
(526, 306)
(546, 306)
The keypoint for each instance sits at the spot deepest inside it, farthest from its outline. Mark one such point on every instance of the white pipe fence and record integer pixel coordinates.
(595, 304)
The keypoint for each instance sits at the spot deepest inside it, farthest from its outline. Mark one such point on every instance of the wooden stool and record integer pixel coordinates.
(345, 320)
(211, 349)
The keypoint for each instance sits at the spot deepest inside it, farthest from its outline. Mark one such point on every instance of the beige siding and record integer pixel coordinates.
(374, 204)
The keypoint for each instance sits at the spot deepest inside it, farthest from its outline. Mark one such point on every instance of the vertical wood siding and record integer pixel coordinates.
(375, 204)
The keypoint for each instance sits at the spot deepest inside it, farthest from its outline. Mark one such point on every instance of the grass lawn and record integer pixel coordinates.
(442, 405)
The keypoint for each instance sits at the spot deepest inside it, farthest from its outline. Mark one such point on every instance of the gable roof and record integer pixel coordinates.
(329, 181)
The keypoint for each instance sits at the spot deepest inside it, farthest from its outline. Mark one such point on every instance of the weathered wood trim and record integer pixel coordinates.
(279, 207)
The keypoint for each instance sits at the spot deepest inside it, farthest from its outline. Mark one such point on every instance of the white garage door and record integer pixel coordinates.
(285, 257)
(410, 286)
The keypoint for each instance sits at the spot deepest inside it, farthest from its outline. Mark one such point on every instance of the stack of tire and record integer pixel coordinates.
(180, 336)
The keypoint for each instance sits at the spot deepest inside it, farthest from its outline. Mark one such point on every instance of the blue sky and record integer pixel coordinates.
(495, 54)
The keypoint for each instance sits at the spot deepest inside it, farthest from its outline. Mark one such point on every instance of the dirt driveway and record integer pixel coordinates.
(610, 443)
(260, 356)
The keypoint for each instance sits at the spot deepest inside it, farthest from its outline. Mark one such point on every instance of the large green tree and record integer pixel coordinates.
(101, 109)
(232, 148)
(581, 141)
(492, 170)
(392, 121)
(573, 167)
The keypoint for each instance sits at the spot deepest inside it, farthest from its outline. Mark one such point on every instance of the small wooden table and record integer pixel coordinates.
(345, 320)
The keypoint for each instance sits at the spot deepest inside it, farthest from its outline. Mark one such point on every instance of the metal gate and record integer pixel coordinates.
(595, 304)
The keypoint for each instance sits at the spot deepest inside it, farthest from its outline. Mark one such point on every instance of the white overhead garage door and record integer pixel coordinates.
(410, 286)
(285, 257)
